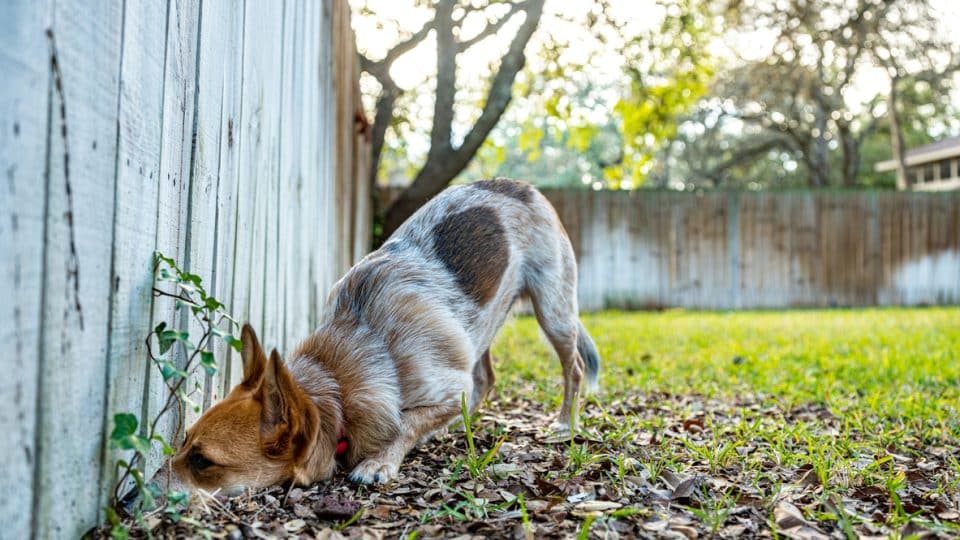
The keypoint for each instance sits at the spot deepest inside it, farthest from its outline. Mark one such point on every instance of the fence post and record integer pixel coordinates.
(733, 243)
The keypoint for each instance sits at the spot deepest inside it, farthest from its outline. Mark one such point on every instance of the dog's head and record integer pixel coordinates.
(262, 434)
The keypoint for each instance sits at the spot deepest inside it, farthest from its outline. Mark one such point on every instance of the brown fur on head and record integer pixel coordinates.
(263, 433)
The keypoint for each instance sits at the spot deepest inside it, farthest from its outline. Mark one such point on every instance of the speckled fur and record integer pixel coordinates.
(408, 329)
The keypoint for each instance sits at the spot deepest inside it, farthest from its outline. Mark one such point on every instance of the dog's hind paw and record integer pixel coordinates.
(373, 471)
(558, 432)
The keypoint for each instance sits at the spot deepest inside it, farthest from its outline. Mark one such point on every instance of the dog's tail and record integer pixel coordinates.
(591, 358)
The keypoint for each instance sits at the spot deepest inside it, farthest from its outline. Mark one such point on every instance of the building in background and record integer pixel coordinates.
(931, 167)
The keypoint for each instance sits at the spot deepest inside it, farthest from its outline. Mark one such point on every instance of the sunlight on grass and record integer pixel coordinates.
(895, 365)
(826, 409)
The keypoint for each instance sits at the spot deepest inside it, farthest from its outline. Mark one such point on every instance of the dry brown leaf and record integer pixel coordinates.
(333, 507)
(597, 506)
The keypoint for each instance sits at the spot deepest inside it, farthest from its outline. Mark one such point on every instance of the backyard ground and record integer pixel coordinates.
(808, 424)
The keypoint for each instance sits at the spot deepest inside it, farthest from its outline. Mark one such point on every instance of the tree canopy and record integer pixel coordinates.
(692, 94)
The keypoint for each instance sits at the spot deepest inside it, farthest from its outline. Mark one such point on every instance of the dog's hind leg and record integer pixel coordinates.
(415, 424)
(552, 291)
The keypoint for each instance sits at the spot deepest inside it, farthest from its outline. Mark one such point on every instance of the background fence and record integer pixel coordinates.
(763, 250)
(225, 136)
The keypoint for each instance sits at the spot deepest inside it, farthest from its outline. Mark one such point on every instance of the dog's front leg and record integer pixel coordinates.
(415, 423)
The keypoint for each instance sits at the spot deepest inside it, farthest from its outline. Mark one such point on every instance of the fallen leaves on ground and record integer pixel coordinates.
(646, 466)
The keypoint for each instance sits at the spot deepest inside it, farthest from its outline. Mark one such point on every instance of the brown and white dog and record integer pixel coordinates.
(405, 333)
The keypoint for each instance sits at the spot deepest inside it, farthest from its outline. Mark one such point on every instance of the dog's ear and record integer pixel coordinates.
(288, 424)
(281, 401)
(278, 393)
(254, 360)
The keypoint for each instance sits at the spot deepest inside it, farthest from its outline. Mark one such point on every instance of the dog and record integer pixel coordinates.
(405, 333)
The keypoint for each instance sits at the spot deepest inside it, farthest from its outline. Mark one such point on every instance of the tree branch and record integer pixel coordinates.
(491, 28)
(386, 102)
(446, 79)
(500, 91)
(444, 162)
(404, 46)
(390, 91)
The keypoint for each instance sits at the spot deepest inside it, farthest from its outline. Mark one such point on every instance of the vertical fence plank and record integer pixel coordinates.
(324, 255)
(308, 227)
(210, 184)
(179, 81)
(346, 195)
(290, 259)
(80, 209)
(227, 217)
(24, 125)
(137, 170)
(218, 107)
(255, 286)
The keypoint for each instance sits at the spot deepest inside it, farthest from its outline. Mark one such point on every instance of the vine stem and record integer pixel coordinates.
(173, 396)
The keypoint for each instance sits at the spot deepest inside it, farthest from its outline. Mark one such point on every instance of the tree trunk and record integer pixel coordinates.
(851, 155)
(896, 137)
(385, 105)
(819, 170)
(444, 162)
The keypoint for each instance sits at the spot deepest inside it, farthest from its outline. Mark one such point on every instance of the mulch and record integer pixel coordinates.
(613, 483)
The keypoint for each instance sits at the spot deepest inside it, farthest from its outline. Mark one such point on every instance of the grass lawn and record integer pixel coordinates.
(807, 424)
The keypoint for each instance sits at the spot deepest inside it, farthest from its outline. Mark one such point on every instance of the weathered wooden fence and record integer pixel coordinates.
(763, 250)
(220, 133)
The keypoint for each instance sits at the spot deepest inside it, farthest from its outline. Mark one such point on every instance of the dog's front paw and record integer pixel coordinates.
(374, 471)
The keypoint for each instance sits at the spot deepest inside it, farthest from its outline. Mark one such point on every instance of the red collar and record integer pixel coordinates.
(342, 444)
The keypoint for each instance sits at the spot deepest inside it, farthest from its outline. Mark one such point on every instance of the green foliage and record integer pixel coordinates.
(656, 102)
(714, 510)
(580, 124)
(353, 519)
(476, 464)
(176, 356)
(125, 436)
(584, 532)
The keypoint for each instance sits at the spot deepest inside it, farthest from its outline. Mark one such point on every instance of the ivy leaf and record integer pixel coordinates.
(124, 424)
(160, 257)
(176, 498)
(229, 339)
(154, 489)
(212, 304)
(167, 449)
(208, 362)
(168, 337)
(124, 435)
(192, 278)
(169, 371)
(148, 491)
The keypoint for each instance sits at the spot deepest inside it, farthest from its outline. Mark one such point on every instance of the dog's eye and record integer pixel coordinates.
(198, 461)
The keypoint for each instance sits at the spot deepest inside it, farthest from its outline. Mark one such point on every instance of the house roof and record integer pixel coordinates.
(944, 148)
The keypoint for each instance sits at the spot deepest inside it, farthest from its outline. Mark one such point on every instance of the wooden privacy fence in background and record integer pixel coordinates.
(223, 134)
(763, 250)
